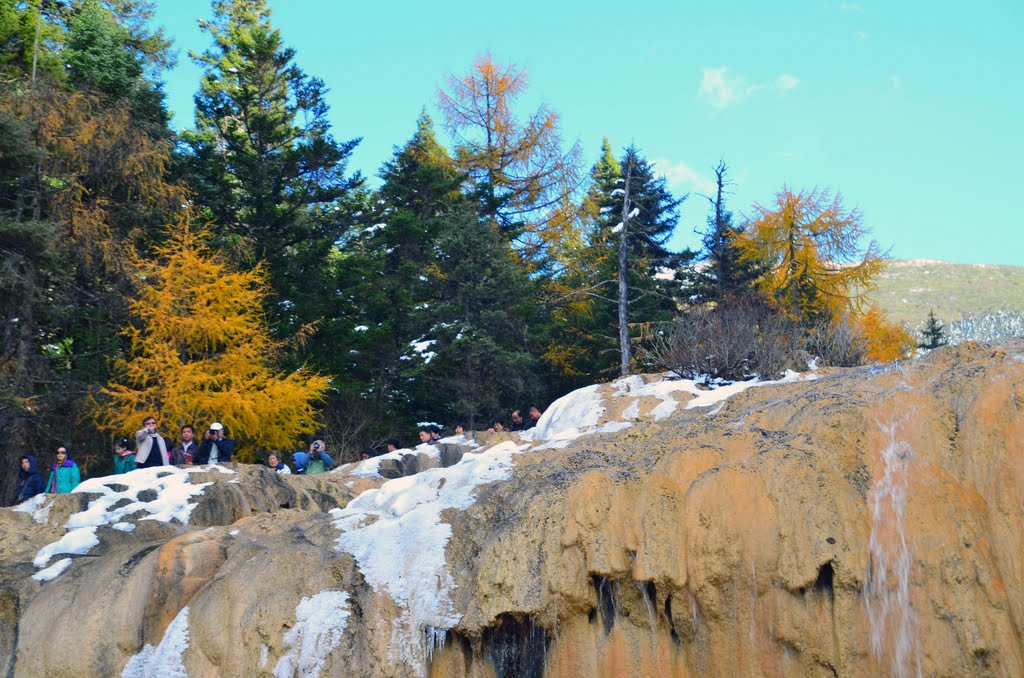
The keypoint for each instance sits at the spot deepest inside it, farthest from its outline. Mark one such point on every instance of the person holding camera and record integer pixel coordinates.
(216, 447)
(316, 461)
(151, 446)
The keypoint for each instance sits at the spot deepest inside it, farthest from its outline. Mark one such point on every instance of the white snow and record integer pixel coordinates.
(319, 623)
(633, 213)
(617, 228)
(164, 660)
(360, 328)
(172, 502)
(398, 538)
(37, 506)
(665, 273)
(75, 542)
(53, 570)
(569, 415)
(421, 347)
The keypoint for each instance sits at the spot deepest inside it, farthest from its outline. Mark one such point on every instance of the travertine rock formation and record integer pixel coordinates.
(860, 522)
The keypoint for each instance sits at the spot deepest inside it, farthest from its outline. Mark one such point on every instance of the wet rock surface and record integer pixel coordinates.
(865, 522)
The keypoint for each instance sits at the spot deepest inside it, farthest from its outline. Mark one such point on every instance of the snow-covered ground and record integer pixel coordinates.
(173, 501)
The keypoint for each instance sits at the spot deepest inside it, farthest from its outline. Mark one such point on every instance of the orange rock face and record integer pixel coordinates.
(866, 522)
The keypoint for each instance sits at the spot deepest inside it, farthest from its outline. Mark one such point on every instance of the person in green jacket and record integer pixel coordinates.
(124, 457)
(64, 475)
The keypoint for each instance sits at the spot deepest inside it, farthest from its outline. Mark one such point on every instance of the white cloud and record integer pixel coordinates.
(681, 177)
(787, 82)
(722, 90)
(849, 6)
(861, 35)
(896, 81)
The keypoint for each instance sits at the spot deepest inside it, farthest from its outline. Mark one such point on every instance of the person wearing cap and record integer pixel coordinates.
(216, 448)
(124, 457)
(151, 446)
(64, 475)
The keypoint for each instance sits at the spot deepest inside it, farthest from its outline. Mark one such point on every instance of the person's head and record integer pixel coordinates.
(424, 435)
(25, 464)
(149, 423)
(517, 417)
(534, 413)
(121, 445)
(316, 447)
(272, 460)
(459, 430)
(365, 454)
(188, 434)
(394, 444)
(62, 454)
(435, 432)
(498, 425)
(216, 430)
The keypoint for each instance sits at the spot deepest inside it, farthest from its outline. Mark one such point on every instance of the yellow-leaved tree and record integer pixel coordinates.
(200, 351)
(817, 270)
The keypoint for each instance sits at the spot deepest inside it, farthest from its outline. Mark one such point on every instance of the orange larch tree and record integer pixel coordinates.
(519, 169)
(200, 352)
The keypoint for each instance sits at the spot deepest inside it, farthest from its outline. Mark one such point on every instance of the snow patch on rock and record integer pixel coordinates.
(319, 623)
(398, 539)
(166, 659)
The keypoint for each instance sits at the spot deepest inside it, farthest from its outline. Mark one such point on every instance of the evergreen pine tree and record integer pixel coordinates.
(934, 333)
(263, 162)
(654, 294)
(725, 275)
(384, 274)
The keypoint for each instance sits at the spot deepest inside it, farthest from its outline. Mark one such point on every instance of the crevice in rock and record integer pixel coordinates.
(130, 564)
(605, 601)
(516, 647)
(824, 582)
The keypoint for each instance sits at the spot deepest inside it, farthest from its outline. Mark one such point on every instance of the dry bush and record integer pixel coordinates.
(733, 341)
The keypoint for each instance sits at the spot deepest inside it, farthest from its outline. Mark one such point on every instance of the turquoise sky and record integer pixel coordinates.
(913, 111)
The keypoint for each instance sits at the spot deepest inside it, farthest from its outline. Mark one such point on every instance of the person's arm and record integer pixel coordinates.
(76, 477)
(49, 481)
(328, 462)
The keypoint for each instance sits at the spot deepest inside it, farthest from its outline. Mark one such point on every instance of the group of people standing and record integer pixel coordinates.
(64, 476)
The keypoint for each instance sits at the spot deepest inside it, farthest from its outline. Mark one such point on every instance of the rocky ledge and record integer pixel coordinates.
(852, 522)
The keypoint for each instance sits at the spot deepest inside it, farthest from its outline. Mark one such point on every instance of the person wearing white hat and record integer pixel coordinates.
(216, 446)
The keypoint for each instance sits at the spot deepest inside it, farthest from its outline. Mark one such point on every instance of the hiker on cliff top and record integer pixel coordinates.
(151, 446)
(274, 462)
(435, 432)
(518, 424)
(497, 426)
(425, 435)
(183, 453)
(534, 416)
(30, 480)
(64, 475)
(315, 461)
(216, 447)
(124, 457)
(394, 444)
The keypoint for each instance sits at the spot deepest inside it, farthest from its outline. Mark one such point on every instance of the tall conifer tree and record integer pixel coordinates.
(263, 161)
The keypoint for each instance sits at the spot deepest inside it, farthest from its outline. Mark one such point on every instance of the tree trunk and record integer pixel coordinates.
(624, 347)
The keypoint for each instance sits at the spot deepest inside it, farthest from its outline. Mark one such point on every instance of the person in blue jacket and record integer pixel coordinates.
(30, 480)
(64, 475)
(315, 461)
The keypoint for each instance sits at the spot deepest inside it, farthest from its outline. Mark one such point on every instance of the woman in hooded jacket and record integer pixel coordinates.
(30, 480)
(64, 475)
